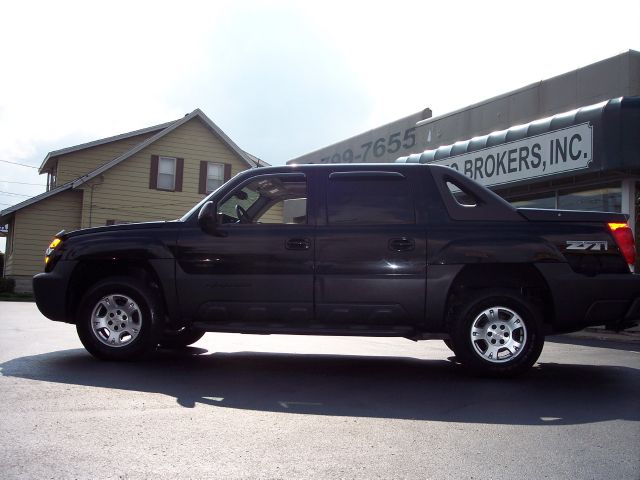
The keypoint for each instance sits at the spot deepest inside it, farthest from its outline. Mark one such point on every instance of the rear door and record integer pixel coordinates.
(370, 251)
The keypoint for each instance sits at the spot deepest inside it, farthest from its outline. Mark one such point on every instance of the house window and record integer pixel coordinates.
(51, 178)
(215, 176)
(12, 236)
(212, 175)
(166, 173)
(118, 222)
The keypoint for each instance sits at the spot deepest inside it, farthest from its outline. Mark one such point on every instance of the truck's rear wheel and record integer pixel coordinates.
(118, 319)
(496, 332)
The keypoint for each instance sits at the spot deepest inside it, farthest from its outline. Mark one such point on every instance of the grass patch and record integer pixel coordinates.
(16, 297)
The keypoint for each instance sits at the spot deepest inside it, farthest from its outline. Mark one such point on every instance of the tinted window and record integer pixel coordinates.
(370, 201)
(463, 198)
(265, 199)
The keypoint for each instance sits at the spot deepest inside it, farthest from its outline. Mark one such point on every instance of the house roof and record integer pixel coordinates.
(46, 163)
(161, 130)
(30, 201)
(250, 160)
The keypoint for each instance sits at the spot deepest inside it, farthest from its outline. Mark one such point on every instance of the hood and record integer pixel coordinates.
(112, 228)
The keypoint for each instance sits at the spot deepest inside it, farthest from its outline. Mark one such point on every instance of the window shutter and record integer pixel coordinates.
(227, 172)
(153, 172)
(179, 170)
(202, 186)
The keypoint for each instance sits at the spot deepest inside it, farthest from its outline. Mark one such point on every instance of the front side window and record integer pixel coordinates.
(268, 199)
(369, 201)
(215, 176)
(166, 173)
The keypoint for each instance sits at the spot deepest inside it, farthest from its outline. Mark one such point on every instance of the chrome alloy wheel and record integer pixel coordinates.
(498, 334)
(116, 320)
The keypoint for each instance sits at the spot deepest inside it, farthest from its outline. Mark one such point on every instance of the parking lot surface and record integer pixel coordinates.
(258, 407)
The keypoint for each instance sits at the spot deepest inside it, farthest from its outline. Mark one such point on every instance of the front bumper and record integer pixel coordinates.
(581, 301)
(50, 290)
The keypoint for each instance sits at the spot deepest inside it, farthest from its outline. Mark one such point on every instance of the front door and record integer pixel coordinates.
(256, 271)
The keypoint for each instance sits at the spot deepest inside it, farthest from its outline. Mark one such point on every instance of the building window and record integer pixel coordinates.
(11, 239)
(166, 173)
(51, 178)
(543, 201)
(215, 176)
(607, 199)
(212, 175)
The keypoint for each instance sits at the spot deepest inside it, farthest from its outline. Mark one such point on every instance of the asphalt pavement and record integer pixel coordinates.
(291, 407)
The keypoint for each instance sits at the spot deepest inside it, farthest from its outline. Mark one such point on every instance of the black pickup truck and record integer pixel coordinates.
(413, 251)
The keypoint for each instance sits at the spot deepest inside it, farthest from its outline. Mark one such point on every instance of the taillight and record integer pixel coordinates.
(624, 238)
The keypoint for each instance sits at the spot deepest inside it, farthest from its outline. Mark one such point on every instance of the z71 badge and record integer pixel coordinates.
(596, 245)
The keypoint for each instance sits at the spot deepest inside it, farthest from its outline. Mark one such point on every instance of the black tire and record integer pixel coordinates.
(182, 338)
(500, 322)
(119, 319)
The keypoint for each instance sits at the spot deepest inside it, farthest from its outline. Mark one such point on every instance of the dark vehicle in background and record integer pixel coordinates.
(403, 250)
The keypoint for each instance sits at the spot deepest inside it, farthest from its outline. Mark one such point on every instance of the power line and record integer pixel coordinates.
(23, 183)
(17, 194)
(21, 164)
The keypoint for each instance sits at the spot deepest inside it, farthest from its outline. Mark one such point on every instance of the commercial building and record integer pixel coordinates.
(568, 142)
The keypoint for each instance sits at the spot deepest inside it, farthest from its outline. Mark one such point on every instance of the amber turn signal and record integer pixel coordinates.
(49, 251)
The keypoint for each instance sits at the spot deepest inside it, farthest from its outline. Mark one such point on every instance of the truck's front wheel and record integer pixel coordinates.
(118, 319)
(181, 338)
(496, 332)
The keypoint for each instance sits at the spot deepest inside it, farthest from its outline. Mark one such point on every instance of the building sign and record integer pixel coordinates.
(383, 144)
(559, 151)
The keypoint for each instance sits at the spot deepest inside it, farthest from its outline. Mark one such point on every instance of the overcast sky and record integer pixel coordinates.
(281, 78)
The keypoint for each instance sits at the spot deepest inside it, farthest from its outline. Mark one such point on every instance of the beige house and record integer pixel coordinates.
(156, 173)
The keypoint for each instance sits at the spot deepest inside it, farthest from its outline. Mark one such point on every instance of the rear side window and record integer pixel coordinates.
(461, 196)
(369, 200)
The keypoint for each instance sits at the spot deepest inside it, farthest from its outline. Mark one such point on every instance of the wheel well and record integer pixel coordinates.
(526, 279)
(88, 273)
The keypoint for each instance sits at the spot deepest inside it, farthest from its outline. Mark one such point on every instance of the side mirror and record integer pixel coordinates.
(207, 218)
